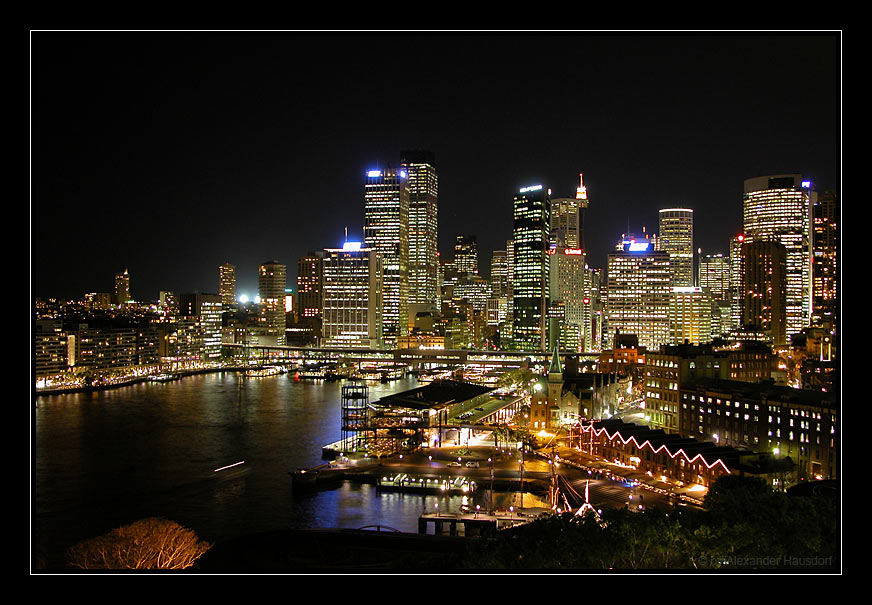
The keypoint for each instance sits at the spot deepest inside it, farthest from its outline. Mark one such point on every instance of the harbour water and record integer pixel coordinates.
(103, 459)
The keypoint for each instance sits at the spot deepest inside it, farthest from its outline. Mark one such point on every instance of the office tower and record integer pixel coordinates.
(637, 292)
(765, 283)
(201, 313)
(353, 288)
(690, 315)
(499, 274)
(778, 208)
(676, 238)
(510, 270)
(272, 280)
(714, 275)
(530, 279)
(466, 254)
(420, 166)
(310, 285)
(386, 231)
(567, 219)
(825, 269)
(122, 288)
(737, 274)
(227, 284)
(566, 286)
(592, 309)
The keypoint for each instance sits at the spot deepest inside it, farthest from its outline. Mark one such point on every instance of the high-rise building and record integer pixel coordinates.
(352, 307)
(778, 208)
(638, 291)
(310, 285)
(530, 280)
(272, 280)
(676, 238)
(567, 218)
(386, 231)
(566, 285)
(201, 316)
(714, 275)
(765, 288)
(825, 269)
(466, 254)
(690, 315)
(737, 274)
(420, 166)
(122, 288)
(227, 284)
(499, 274)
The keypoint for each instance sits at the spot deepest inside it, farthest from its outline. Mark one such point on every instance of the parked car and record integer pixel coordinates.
(454, 464)
(472, 464)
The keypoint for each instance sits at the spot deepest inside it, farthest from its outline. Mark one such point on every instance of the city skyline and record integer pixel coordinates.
(198, 150)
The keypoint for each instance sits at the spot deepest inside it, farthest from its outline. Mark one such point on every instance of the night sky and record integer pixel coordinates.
(170, 153)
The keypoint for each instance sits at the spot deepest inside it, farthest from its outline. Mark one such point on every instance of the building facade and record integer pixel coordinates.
(227, 284)
(530, 274)
(676, 238)
(386, 232)
(271, 283)
(352, 297)
(423, 182)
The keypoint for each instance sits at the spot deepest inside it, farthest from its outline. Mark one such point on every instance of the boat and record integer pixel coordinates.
(164, 377)
(263, 371)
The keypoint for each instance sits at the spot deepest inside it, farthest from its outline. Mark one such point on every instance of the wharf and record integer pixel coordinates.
(476, 523)
(404, 482)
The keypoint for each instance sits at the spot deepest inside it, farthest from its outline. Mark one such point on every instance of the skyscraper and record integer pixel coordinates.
(765, 288)
(420, 166)
(201, 314)
(352, 308)
(227, 284)
(499, 274)
(676, 238)
(271, 283)
(690, 315)
(122, 288)
(825, 269)
(310, 285)
(778, 208)
(566, 285)
(466, 254)
(638, 292)
(386, 231)
(532, 238)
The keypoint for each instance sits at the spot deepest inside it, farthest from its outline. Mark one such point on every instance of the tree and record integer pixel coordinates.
(146, 544)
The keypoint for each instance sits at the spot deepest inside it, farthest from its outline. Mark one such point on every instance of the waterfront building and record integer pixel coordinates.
(765, 286)
(423, 182)
(690, 315)
(310, 286)
(201, 313)
(825, 268)
(779, 208)
(386, 232)
(530, 275)
(272, 281)
(352, 297)
(122, 288)
(49, 348)
(227, 285)
(676, 238)
(638, 291)
(798, 424)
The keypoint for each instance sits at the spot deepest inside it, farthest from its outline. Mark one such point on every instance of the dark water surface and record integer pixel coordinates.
(104, 459)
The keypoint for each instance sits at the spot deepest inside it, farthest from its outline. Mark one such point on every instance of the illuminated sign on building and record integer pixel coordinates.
(573, 251)
(351, 246)
(531, 188)
(374, 173)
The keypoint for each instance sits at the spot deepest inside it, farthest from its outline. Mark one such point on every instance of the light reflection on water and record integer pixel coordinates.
(108, 458)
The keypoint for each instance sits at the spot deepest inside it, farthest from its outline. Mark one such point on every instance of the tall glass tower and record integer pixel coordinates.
(272, 280)
(530, 277)
(386, 232)
(676, 238)
(779, 208)
(420, 166)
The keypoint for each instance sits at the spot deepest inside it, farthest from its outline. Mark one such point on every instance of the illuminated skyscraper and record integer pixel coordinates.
(466, 254)
(499, 274)
(638, 292)
(676, 238)
(530, 281)
(227, 284)
(690, 315)
(201, 315)
(386, 231)
(737, 270)
(778, 208)
(567, 218)
(566, 286)
(765, 288)
(420, 166)
(352, 311)
(122, 288)
(825, 269)
(714, 275)
(271, 283)
(310, 285)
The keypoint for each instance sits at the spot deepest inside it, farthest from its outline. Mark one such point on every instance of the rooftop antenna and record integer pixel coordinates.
(346, 235)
